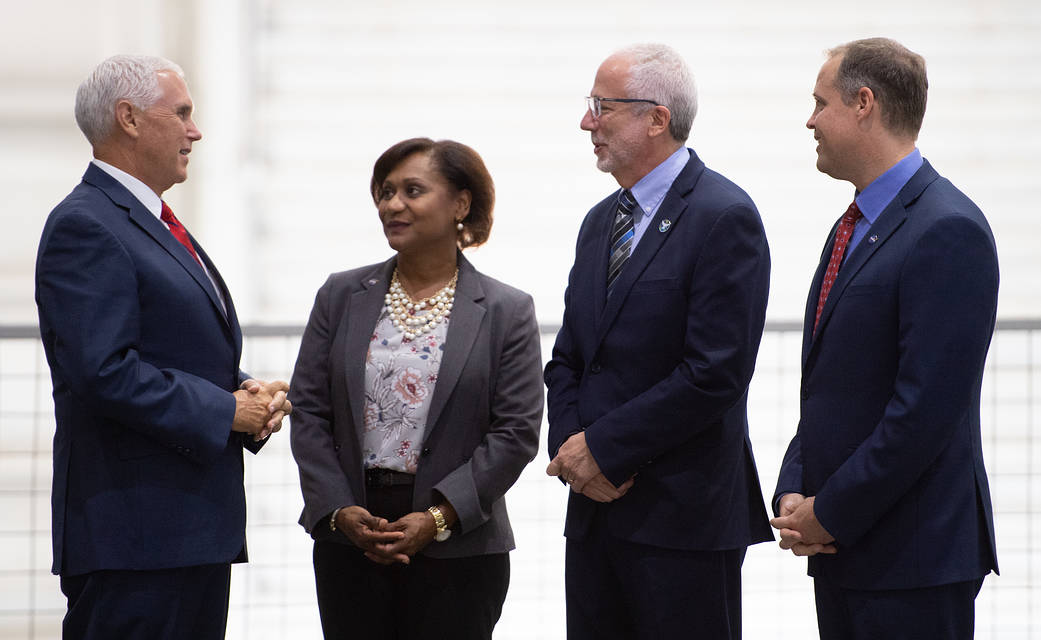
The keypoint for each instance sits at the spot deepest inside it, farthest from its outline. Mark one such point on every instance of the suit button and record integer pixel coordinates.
(425, 452)
(595, 367)
(336, 447)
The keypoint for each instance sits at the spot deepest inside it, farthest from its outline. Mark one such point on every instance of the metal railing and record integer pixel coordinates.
(273, 596)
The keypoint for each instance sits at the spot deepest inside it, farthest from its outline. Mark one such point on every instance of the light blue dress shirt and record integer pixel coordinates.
(876, 196)
(651, 189)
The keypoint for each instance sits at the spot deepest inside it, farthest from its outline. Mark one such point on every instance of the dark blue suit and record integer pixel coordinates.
(657, 376)
(889, 431)
(147, 472)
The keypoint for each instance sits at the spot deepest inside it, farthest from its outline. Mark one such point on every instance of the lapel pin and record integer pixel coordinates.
(664, 225)
(872, 239)
(372, 282)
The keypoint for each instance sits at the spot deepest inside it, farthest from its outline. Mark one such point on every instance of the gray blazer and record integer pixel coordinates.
(485, 412)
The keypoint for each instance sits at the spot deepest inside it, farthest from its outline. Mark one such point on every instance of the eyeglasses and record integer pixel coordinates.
(593, 103)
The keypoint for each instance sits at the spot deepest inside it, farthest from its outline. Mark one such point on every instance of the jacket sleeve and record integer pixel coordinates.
(564, 371)
(322, 480)
(87, 293)
(512, 439)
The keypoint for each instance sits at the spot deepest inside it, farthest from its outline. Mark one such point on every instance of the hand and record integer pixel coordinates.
(800, 530)
(365, 530)
(277, 408)
(417, 530)
(601, 489)
(574, 463)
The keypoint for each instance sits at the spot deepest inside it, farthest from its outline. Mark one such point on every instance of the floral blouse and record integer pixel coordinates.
(400, 375)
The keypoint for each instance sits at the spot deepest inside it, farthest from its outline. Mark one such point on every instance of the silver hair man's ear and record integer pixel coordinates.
(121, 77)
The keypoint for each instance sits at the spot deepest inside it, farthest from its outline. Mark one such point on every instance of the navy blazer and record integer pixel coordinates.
(889, 430)
(657, 375)
(147, 472)
(482, 424)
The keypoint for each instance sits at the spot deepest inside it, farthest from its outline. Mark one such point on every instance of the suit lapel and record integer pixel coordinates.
(673, 206)
(467, 315)
(603, 223)
(360, 319)
(152, 226)
(888, 222)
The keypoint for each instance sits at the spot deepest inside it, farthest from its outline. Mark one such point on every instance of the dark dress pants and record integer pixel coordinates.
(945, 612)
(162, 604)
(428, 599)
(620, 590)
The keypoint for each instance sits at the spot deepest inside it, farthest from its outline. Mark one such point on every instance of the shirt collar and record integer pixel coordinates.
(651, 189)
(876, 196)
(137, 188)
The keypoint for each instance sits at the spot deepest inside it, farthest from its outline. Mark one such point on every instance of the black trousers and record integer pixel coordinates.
(457, 598)
(620, 590)
(945, 612)
(163, 604)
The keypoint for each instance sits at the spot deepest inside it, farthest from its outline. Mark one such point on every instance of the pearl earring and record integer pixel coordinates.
(459, 226)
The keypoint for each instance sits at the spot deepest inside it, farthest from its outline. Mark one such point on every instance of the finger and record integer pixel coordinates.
(275, 423)
(250, 385)
(378, 559)
(278, 385)
(287, 407)
(277, 401)
(554, 467)
(263, 433)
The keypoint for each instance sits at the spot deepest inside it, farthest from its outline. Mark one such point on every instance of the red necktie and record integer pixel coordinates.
(842, 234)
(177, 229)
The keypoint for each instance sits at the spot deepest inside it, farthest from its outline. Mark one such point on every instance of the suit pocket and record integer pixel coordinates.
(651, 286)
(864, 290)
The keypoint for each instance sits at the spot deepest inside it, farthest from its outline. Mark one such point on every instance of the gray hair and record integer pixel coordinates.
(894, 73)
(121, 77)
(657, 72)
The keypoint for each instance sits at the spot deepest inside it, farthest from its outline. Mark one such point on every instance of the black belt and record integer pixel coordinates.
(377, 478)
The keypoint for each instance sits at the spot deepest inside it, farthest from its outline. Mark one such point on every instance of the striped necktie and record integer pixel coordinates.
(621, 237)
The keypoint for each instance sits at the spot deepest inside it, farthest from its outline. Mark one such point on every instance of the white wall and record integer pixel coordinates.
(297, 99)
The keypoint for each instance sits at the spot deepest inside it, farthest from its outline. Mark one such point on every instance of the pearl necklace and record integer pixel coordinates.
(414, 318)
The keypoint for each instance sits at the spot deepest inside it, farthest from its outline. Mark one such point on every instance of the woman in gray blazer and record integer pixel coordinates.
(417, 400)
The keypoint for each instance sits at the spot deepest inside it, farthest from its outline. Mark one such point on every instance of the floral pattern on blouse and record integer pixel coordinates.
(400, 376)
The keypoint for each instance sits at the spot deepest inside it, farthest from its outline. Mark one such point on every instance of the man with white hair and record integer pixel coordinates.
(151, 409)
(648, 381)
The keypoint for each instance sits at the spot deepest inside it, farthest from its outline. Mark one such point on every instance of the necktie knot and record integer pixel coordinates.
(852, 214)
(626, 201)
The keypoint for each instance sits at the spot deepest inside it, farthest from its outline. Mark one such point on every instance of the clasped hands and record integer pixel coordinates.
(800, 530)
(386, 542)
(260, 407)
(575, 465)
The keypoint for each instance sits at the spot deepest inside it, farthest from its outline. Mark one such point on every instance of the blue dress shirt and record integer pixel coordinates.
(876, 196)
(651, 189)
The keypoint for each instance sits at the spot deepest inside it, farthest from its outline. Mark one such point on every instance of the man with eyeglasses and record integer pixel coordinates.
(649, 376)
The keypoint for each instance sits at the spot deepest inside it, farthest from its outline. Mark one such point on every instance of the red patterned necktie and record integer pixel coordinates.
(842, 234)
(177, 229)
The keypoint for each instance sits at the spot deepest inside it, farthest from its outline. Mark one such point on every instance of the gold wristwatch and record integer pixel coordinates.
(443, 532)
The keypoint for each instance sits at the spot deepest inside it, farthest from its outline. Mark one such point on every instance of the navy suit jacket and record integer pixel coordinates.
(657, 375)
(147, 472)
(889, 430)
